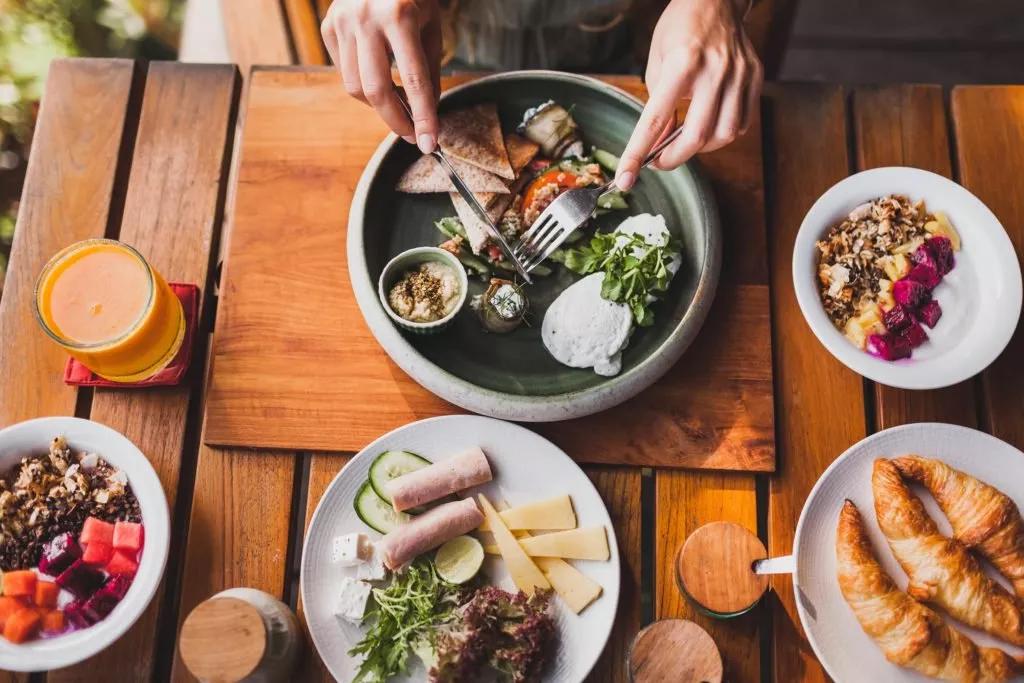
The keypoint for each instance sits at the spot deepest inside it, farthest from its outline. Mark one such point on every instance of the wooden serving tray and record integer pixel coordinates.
(294, 366)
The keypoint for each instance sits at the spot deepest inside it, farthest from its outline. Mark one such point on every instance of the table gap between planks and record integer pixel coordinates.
(143, 152)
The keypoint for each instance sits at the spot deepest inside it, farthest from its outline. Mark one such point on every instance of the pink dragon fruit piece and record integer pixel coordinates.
(77, 616)
(942, 251)
(926, 275)
(889, 346)
(100, 605)
(924, 255)
(910, 293)
(897, 318)
(59, 554)
(80, 579)
(915, 334)
(930, 313)
(117, 586)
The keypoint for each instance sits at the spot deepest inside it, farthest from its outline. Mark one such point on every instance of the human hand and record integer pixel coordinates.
(361, 36)
(698, 49)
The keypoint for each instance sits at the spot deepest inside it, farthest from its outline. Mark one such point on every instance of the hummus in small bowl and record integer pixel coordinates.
(422, 289)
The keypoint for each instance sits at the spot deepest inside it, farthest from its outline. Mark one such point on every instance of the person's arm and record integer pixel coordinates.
(698, 49)
(361, 36)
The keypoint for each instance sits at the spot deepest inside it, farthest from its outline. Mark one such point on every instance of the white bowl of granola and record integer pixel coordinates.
(860, 258)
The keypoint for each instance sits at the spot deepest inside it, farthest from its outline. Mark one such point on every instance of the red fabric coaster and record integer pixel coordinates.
(77, 374)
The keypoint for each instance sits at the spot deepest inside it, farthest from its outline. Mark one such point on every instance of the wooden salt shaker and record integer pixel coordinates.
(241, 634)
(715, 569)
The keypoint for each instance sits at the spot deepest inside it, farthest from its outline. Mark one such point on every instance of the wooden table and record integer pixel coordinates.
(145, 153)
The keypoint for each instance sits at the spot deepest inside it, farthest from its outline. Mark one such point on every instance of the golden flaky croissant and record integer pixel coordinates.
(983, 517)
(941, 570)
(909, 633)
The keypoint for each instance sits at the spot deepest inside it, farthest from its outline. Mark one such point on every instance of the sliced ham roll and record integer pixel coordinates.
(428, 531)
(443, 478)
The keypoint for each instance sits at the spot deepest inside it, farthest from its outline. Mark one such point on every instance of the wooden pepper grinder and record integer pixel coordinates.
(241, 634)
(715, 569)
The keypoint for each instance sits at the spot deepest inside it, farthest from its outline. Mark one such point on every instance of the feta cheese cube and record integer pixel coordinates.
(351, 549)
(352, 601)
(373, 568)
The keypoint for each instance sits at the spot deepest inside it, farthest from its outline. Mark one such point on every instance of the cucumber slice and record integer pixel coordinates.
(391, 465)
(540, 270)
(376, 513)
(606, 159)
(474, 264)
(451, 226)
(612, 200)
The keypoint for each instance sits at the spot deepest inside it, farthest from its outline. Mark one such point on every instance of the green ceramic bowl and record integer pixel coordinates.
(512, 376)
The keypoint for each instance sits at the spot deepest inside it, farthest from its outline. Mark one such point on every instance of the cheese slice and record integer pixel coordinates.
(551, 514)
(575, 588)
(524, 572)
(590, 543)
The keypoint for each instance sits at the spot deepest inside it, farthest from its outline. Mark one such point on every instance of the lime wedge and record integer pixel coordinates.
(459, 559)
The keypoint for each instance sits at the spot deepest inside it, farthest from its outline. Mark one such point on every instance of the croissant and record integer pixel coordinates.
(941, 570)
(909, 633)
(983, 518)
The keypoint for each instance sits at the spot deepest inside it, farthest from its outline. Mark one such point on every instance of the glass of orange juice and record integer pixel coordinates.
(106, 306)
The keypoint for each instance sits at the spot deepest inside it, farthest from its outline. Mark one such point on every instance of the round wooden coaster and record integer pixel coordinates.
(715, 570)
(223, 640)
(674, 650)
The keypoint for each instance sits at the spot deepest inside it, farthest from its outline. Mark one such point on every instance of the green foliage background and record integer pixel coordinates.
(33, 32)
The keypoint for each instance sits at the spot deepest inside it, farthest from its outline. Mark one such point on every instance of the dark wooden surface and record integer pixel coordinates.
(158, 177)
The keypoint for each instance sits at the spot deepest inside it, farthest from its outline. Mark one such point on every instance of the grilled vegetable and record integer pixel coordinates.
(554, 129)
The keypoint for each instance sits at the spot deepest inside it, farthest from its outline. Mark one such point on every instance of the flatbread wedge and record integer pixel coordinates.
(426, 175)
(473, 135)
(520, 151)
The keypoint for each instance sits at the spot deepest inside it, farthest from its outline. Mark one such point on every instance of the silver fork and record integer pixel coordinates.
(568, 212)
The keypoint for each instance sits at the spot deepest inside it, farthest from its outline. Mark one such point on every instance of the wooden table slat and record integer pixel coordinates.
(686, 501)
(820, 403)
(172, 213)
(69, 190)
(906, 126)
(989, 128)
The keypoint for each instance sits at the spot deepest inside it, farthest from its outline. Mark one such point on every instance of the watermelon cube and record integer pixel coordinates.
(23, 625)
(20, 583)
(53, 621)
(128, 536)
(80, 579)
(122, 562)
(46, 594)
(59, 553)
(97, 553)
(96, 529)
(8, 606)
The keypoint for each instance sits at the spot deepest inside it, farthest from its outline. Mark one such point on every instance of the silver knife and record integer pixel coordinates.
(471, 200)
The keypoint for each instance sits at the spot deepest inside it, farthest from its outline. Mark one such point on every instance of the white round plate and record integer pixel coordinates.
(980, 298)
(526, 467)
(846, 652)
(33, 438)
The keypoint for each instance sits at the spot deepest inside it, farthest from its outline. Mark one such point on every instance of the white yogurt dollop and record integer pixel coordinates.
(583, 330)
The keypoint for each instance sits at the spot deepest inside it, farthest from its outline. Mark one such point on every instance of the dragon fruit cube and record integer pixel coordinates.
(926, 275)
(100, 605)
(889, 346)
(80, 579)
(76, 615)
(942, 249)
(897, 318)
(924, 255)
(930, 313)
(117, 586)
(910, 293)
(59, 554)
(915, 334)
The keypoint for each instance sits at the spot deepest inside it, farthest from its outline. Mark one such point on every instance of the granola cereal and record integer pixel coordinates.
(46, 495)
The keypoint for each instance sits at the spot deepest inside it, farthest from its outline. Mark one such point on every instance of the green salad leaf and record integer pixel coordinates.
(633, 268)
(403, 616)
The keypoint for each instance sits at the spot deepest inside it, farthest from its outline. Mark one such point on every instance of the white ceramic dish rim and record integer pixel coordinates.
(915, 373)
(610, 592)
(547, 408)
(805, 618)
(450, 259)
(115, 448)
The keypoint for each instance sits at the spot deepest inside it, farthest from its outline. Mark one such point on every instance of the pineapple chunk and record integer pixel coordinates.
(855, 333)
(886, 300)
(945, 229)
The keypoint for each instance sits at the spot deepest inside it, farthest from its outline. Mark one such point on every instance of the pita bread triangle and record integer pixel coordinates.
(426, 175)
(520, 151)
(473, 135)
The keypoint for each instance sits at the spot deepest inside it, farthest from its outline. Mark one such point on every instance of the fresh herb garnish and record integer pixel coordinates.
(633, 268)
(404, 615)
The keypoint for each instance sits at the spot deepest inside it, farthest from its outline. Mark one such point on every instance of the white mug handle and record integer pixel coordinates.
(776, 565)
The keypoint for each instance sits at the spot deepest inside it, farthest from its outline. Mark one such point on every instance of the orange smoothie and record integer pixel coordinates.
(102, 302)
